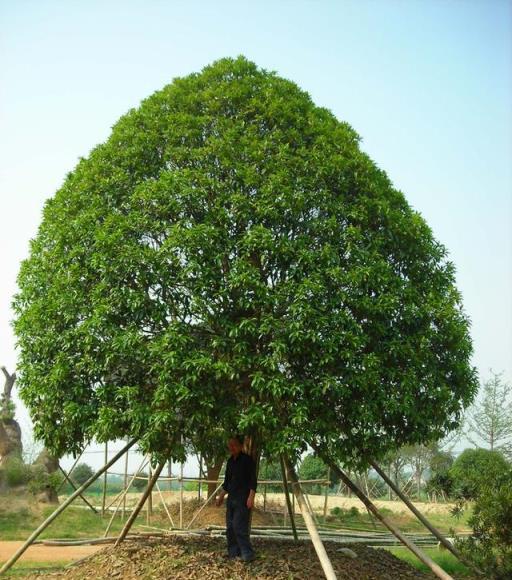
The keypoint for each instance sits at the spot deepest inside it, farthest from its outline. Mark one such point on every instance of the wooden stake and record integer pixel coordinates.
(436, 569)
(287, 497)
(310, 523)
(62, 507)
(140, 504)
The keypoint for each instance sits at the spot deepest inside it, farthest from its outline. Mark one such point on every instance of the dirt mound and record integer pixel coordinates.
(180, 558)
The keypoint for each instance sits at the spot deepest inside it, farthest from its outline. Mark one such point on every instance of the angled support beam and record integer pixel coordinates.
(433, 530)
(309, 521)
(71, 482)
(140, 505)
(288, 502)
(436, 569)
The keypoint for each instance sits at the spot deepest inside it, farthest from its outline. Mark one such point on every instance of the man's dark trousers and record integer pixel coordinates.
(237, 527)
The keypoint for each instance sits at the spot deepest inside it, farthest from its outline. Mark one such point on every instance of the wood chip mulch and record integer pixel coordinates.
(202, 558)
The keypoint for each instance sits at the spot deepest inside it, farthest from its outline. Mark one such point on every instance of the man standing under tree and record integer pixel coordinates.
(240, 485)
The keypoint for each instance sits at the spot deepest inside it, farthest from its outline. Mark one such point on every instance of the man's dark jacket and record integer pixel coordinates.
(240, 476)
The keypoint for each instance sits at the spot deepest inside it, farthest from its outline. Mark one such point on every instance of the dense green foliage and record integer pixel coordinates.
(473, 469)
(230, 256)
(82, 473)
(490, 546)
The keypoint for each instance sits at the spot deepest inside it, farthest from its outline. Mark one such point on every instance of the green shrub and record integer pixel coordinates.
(490, 547)
(16, 472)
(41, 480)
(473, 469)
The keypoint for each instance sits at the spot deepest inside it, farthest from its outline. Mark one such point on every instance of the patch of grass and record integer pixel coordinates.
(405, 521)
(446, 560)
(21, 570)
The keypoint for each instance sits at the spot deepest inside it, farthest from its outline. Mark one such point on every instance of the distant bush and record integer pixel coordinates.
(140, 484)
(490, 547)
(41, 480)
(16, 472)
(473, 469)
(343, 513)
(81, 473)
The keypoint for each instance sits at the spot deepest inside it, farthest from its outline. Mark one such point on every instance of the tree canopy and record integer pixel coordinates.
(230, 257)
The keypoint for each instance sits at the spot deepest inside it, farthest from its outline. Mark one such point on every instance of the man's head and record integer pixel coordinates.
(235, 445)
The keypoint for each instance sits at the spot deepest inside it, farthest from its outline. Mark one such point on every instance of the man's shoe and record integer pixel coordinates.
(249, 558)
(230, 557)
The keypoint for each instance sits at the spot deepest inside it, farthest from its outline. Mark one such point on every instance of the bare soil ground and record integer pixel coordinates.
(193, 558)
(40, 553)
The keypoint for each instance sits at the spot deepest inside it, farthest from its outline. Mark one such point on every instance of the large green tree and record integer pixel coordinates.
(231, 256)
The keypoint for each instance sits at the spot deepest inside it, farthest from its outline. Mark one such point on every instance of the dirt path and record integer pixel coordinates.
(41, 553)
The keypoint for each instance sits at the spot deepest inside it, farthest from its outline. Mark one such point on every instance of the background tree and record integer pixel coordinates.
(440, 482)
(230, 255)
(81, 473)
(473, 467)
(141, 481)
(490, 420)
(418, 458)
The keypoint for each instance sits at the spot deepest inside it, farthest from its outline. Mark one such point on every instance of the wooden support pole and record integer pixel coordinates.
(162, 499)
(436, 569)
(200, 477)
(122, 498)
(69, 472)
(287, 497)
(103, 501)
(75, 488)
(140, 504)
(150, 498)
(326, 498)
(125, 482)
(62, 507)
(435, 532)
(208, 499)
(181, 496)
(310, 523)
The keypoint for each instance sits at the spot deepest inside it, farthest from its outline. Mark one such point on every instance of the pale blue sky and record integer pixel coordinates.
(427, 84)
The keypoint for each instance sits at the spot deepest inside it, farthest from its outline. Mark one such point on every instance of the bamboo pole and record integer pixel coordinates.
(200, 477)
(125, 482)
(436, 569)
(62, 507)
(162, 499)
(140, 504)
(310, 523)
(150, 499)
(288, 502)
(181, 496)
(326, 499)
(123, 497)
(70, 471)
(104, 498)
(448, 545)
(204, 505)
(71, 482)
